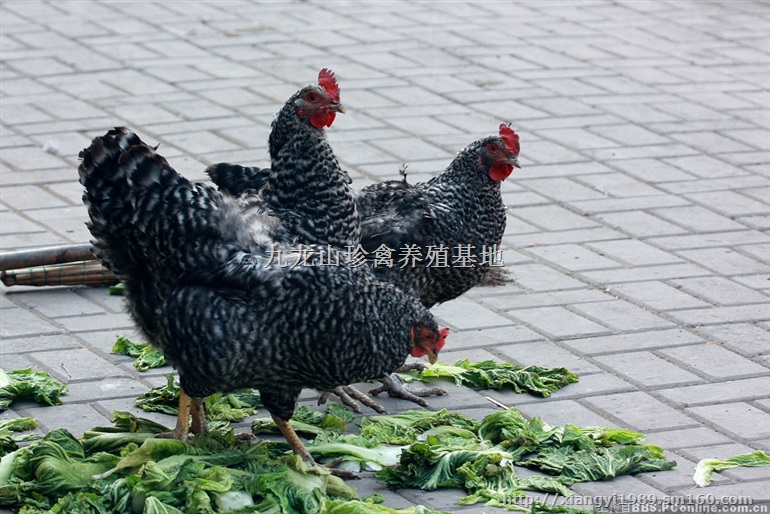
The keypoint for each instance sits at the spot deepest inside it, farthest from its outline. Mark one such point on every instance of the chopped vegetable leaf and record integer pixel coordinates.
(232, 406)
(498, 375)
(25, 384)
(705, 467)
(118, 289)
(147, 357)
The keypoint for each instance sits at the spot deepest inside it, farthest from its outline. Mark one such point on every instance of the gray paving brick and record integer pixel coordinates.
(546, 354)
(688, 437)
(657, 295)
(561, 412)
(725, 261)
(572, 257)
(563, 298)
(633, 252)
(648, 370)
(698, 219)
(720, 290)
(738, 418)
(558, 322)
(480, 316)
(639, 224)
(537, 277)
(745, 338)
(718, 392)
(621, 315)
(703, 165)
(561, 189)
(59, 302)
(709, 241)
(720, 315)
(730, 203)
(619, 185)
(15, 322)
(629, 204)
(630, 342)
(715, 361)
(536, 239)
(640, 411)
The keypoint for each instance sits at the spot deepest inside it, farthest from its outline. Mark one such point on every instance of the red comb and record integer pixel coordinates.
(510, 138)
(328, 81)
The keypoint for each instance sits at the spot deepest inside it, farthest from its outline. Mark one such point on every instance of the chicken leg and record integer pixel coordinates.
(298, 448)
(187, 406)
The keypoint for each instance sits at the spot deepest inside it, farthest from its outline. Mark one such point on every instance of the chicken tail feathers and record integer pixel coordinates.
(236, 180)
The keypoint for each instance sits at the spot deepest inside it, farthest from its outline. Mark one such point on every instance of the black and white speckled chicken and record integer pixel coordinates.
(453, 223)
(203, 283)
(305, 187)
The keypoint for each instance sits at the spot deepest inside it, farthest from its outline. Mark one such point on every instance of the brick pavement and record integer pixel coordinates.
(637, 227)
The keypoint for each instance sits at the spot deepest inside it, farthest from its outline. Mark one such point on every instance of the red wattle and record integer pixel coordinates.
(320, 120)
(416, 352)
(330, 119)
(500, 171)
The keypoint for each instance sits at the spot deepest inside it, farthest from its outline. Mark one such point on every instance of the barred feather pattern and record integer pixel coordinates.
(202, 283)
(237, 180)
(461, 206)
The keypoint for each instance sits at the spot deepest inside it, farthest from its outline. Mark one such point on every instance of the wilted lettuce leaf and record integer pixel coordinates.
(25, 384)
(147, 356)
(705, 467)
(499, 375)
(403, 428)
(117, 290)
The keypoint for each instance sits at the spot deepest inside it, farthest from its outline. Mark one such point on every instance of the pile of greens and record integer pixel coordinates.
(498, 375)
(451, 450)
(127, 469)
(25, 384)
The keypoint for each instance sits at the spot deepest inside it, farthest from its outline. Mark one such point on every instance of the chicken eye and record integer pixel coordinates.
(312, 97)
(493, 148)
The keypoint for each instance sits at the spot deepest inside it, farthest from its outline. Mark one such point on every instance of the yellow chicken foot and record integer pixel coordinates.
(350, 396)
(182, 429)
(298, 448)
(396, 389)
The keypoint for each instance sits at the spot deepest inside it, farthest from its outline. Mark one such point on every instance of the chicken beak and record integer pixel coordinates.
(514, 161)
(432, 357)
(337, 107)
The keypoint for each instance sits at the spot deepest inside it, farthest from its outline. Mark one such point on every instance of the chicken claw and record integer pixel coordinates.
(348, 395)
(396, 389)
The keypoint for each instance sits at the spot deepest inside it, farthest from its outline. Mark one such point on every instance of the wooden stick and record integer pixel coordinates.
(46, 256)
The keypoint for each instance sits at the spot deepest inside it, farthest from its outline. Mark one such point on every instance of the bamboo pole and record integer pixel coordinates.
(86, 273)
